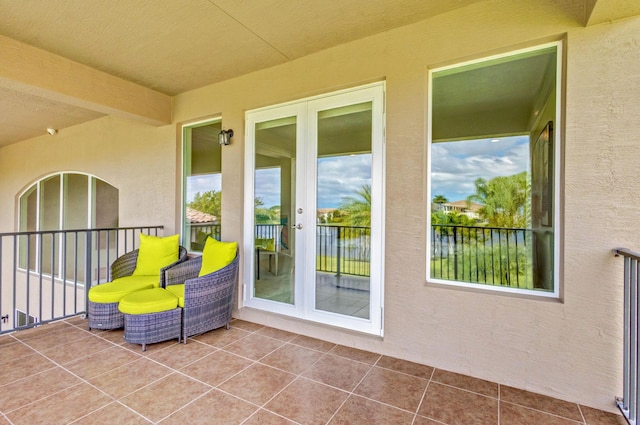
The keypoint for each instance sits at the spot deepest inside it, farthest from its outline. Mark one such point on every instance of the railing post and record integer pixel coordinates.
(338, 244)
(88, 269)
(455, 252)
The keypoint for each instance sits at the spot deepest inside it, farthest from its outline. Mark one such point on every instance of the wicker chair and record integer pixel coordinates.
(107, 315)
(208, 300)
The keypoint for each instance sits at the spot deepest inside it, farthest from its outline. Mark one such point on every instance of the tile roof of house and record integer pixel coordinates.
(195, 216)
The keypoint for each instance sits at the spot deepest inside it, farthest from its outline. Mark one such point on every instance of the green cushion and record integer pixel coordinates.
(155, 253)
(178, 291)
(112, 292)
(267, 244)
(148, 301)
(217, 255)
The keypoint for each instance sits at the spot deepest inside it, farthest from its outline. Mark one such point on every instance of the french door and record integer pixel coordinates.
(314, 209)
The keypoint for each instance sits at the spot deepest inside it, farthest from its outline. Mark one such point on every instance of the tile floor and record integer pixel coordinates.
(253, 375)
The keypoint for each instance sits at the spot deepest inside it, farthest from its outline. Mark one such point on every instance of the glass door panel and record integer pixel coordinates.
(274, 201)
(343, 230)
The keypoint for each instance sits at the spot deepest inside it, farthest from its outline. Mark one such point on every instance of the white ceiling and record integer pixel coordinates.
(172, 46)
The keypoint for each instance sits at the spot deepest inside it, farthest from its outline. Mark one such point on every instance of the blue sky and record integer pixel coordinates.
(454, 168)
(456, 165)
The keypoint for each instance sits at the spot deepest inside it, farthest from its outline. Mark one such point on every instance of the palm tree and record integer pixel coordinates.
(358, 208)
(440, 199)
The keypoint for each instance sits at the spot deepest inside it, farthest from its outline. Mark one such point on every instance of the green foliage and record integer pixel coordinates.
(208, 202)
(440, 199)
(505, 200)
(266, 215)
(357, 209)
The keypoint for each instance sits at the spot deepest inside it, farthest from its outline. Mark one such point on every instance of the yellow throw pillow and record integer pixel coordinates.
(217, 255)
(156, 253)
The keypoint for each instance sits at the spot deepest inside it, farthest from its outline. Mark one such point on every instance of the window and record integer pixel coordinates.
(63, 201)
(22, 319)
(494, 172)
(202, 183)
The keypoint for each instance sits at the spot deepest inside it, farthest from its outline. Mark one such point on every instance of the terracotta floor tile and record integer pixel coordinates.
(216, 367)
(39, 331)
(62, 335)
(164, 397)
(102, 361)
(313, 343)
(415, 369)
(263, 417)
(454, 406)
(13, 349)
(338, 372)
(114, 335)
(540, 402)
(23, 367)
(421, 420)
(394, 388)
(247, 326)
(257, 384)
(598, 417)
(182, 354)
(361, 411)
(221, 337)
(114, 413)
(151, 348)
(35, 387)
(62, 407)
(7, 339)
(79, 321)
(307, 402)
(214, 408)
(513, 414)
(3, 421)
(468, 383)
(292, 358)
(254, 346)
(130, 377)
(83, 347)
(355, 354)
(276, 334)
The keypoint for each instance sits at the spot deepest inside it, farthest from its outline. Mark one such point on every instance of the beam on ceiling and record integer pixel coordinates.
(37, 72)
(600, 11)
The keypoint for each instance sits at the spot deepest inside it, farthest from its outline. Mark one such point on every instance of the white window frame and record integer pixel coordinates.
(557, 207)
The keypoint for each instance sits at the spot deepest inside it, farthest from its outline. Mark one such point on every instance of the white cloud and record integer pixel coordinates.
(456, 165)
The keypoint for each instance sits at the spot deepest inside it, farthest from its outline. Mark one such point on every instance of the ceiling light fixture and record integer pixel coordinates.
(52, 131)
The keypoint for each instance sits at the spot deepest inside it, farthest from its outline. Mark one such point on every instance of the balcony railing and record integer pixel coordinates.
(343, 249)
(488, 255)
(630, 401)
(45, 276)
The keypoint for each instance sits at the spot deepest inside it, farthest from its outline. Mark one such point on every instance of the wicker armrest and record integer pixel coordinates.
(179, 273)
(211, 288)
(124, 265)
(182, 256)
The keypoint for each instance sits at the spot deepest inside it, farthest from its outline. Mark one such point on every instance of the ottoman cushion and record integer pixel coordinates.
(148, 301)
(112, 292)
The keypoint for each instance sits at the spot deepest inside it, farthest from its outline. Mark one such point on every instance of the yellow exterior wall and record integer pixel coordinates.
(570, 349)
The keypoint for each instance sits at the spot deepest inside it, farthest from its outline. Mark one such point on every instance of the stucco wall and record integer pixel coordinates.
(135, 158)
(570, 349)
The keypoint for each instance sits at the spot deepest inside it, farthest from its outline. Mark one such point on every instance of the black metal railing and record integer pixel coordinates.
(630, 400)
(343, 249)
(45, 275)
(488, 255)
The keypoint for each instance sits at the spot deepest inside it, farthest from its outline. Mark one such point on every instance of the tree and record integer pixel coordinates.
(440, 199)
(265, 215)
(208, 202)
(505, 200)
(357, 209)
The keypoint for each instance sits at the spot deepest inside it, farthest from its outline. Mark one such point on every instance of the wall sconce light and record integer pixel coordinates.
(224, 137)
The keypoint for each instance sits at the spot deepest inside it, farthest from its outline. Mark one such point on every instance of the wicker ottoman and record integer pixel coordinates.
(151, 316)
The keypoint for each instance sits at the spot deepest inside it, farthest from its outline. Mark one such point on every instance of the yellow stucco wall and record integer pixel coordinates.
(569, 349)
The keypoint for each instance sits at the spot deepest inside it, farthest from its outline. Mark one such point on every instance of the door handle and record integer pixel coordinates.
(297, 226)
